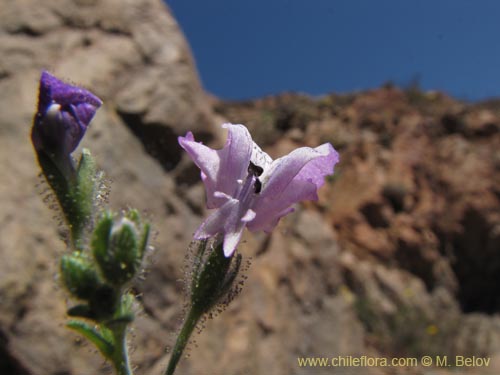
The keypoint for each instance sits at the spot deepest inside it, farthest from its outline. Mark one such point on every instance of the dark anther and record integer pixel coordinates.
(257, 187)
(255, 169)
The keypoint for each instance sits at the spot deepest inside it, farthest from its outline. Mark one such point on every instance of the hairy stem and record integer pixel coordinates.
(187, 329)
(120, 354)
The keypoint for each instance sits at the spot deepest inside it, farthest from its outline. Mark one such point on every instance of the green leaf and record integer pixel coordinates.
(106, 333)
(92, 334)
(123, 244)
(134, 216)
(82, 197)
(86, 176)
(124, 259)
(81, 311)
(100, 240)
(79, 275)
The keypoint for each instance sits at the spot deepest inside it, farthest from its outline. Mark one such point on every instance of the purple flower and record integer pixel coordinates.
(249, 189)
(63, 115)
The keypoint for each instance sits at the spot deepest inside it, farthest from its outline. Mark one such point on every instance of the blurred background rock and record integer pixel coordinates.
(400, 257)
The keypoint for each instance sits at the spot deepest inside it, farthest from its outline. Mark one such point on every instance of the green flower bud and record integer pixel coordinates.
(213, 276)
(79, 275)
(118, 246)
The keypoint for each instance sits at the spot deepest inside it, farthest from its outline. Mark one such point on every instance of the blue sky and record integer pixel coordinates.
(251, 48)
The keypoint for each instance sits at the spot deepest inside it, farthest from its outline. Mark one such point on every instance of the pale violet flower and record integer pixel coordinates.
(249, 189)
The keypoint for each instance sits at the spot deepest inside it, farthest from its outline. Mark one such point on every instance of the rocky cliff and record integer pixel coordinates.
(400, 256)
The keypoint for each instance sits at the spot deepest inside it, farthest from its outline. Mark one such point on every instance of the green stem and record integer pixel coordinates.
(187, 329)
(77, 237)
(120, 354)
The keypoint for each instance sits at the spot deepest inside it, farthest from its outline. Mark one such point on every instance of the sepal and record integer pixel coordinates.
(83, 194)
(79, 275)
(213, 275)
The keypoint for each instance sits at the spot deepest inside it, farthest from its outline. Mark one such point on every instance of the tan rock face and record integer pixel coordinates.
(398, 257)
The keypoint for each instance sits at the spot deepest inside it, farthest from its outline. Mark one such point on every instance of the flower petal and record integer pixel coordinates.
(234, 158)
(267, 223)
(219, 220)
(260, 158)
(269, 209)
(221, 169)
(305, 163)
(321, 166)
(249, 216)
(208, 161)
(231, 240)
(227, 220)
(53, 90)
(291, 179)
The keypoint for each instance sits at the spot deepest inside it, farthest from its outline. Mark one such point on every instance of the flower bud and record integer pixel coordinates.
(63, 115)
(79, 275)
(118, 246)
